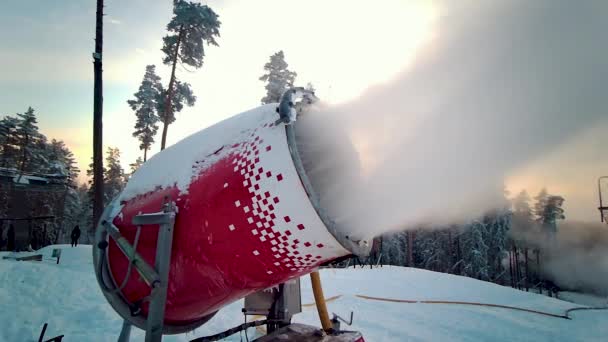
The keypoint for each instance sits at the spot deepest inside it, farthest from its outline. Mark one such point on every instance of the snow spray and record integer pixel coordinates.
(498, 85)
(576, 260)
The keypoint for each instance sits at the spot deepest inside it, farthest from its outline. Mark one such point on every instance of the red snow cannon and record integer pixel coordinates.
(224, 213)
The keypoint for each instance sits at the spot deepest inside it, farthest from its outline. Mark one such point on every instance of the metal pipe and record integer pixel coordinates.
(147, 272)
(125, 332)
(317, 290)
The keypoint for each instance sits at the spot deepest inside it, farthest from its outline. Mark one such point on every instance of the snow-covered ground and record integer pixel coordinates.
(67, 297)
(585, 299)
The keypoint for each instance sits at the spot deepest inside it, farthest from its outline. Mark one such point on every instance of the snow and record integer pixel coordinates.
(585, 299)
(66, 297)
(174, 165)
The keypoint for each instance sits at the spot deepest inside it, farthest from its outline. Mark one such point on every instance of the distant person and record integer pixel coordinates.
(75, 235)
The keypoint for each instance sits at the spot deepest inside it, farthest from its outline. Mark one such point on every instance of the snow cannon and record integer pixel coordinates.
(224, 213)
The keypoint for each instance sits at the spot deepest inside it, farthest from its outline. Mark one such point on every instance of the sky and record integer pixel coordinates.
(341, 47)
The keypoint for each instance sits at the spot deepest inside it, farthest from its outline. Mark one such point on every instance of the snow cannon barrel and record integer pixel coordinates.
(247, 218)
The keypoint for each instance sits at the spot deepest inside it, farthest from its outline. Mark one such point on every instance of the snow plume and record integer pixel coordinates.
(576, 259)
(498, 85)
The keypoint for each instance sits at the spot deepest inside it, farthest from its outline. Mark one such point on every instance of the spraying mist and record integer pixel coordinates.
(498, 85)
(576, 259)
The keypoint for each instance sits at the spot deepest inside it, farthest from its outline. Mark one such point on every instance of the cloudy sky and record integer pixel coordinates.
(342, 47)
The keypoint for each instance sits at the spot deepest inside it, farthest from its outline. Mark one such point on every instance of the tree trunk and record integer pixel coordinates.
(23, 158)
(517, 269)
(97, 117)
(511, 273)
(145, 154)
(168, 107)
(526, 283)
(410, 249)
(538, 270)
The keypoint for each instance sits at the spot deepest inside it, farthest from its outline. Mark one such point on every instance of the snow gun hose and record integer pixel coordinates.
(317, 290)
(566, 316)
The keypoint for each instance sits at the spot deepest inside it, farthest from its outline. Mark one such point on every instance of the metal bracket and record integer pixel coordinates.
(156, 277)
(335, 321)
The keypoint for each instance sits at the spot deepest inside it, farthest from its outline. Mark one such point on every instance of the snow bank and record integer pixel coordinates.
(67, 297)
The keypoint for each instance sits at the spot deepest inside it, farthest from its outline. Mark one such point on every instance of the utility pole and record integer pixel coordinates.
(602, 207)
(97, 117)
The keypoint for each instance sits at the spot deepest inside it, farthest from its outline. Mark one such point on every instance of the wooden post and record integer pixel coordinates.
(97, 117)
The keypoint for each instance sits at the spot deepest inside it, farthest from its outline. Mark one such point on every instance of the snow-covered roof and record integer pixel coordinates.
(26, 179)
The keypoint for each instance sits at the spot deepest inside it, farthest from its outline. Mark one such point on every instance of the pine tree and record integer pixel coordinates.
(475, 251)
(182, 94)
(523, 215)
(114, 177)
(548, 209)
(540, 204)
(394, 249)
(192, 25)
(146, 106)
(521, 206)
(135, 165)
(90, 183)
(62, 161)
(430, 251)
(278, 78)
(553, 212)
(498, 224)
(310, 87)
(9, 141)
(28, 135)
(86, 207)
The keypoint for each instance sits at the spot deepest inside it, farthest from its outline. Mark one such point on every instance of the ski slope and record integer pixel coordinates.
(66, 296)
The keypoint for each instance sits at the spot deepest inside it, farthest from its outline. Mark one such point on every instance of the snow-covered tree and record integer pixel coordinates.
(182, 95)
(114, 177)
(553, 212)
(521, 205)
(191, 27)
(310, 87)
(9, 141)
(498, 224)
(548, 209)
(86, 209)
(394, 247)
(135, 165)
(146, 105)
(277, 77)
(28, 135)
(541, 203)
(62, 161)
(475, 251)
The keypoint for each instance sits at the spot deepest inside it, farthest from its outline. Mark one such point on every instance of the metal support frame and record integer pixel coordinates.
(156, 277)
(156, 313)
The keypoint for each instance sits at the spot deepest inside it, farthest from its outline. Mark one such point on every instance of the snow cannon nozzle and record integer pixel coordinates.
(293, 102)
